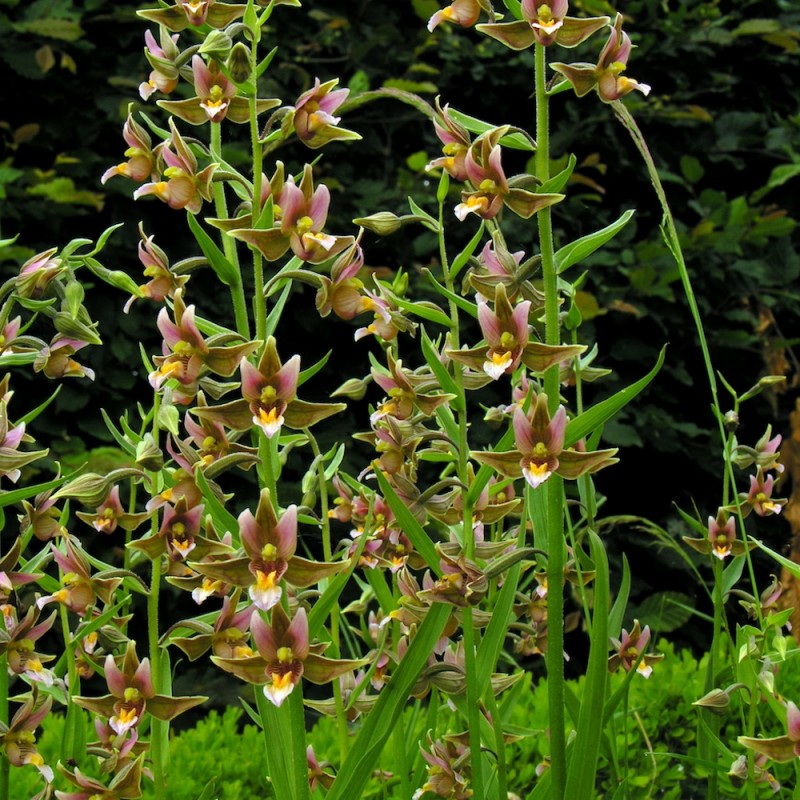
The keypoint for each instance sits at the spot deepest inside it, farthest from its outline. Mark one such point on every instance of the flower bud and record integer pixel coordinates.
(73, 328)
(148, 454)
(216, 45)
(90, 489)
(355, 389)
(716, 701)
(731, 421)
(239, 63)
(383, 223)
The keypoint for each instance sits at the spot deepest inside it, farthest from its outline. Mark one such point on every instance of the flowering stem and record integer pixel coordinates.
(159, 730)
(553, 491)
(5, 764)
(228, 245)
(259, 301)
(298, 729)
(73, 712)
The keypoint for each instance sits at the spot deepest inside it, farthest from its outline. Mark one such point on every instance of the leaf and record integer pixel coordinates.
(597, 415)
(417, 87)
(409, 525)
(63, 29)
(514, 141)
(463, 257)
(617, 613)
(382, 720)
(582, 766)
(225, 271)
(576, 251)
(559, 181)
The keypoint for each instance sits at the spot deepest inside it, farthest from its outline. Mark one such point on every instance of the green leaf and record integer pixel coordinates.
(514, 141)
(277, 310)
(599, 414)
(363, 757)
(222, 518)
(559, 181)
(788, 564)
(409, 525)
(461, 302)
(691, 168)
(463, 257)
(18, 495)
(417, 87)
(225, 271)
(313, 369)
(617, 613)
(586, 747)
(576, 251)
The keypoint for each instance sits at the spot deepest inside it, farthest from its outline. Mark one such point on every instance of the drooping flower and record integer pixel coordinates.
(141, 163)
(126, 784)
(162, 58)
(163, 281)
(300, 218)
(765, 454)
(456, 140)
(492, 189)
(18, 639)
(759, 498)
(17, 738)
(194, 13)
(56, 361)
(779, 748)
(460, 12)
(313, 118)
(605, 76)
(36, 274)
(544, 22)
(185, 187)
(540, 448)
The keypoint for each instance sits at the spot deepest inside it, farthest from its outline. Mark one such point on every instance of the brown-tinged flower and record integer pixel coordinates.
(269, 543)
(314, 120)
(162, 57)
(544, 22)
(216, 98)
(38, 272)
(110, 514)
(163, 281)
(185, 186)
(491, 189)
(126, 784)
(17, 739)
(759, 498)
(456, 140)
(18, 639)
(194, 13)
(460, 12)
(55, 360)
(779, 748)
(187, 355)
(141, 163)
(269, 398)
(540, 448)
(300, 218)
(721, 541)
(605, 76)
(629, 651)
(80, 589)
(132, 694)
(284, 656)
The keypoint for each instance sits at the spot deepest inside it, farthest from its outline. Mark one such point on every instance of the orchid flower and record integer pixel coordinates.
(544, 22)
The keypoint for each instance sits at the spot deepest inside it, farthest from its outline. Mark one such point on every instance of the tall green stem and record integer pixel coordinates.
(259, 301)
(5, 764)
(228, 244)
(552, 493)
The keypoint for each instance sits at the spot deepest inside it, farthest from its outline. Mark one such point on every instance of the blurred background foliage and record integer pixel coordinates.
(723, 123)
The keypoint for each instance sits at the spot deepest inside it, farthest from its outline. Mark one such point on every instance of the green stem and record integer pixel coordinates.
(159, 730)
(473, 703)
(228, 244)
(299, 759)
(499, 743)
(259, 301)
(5, 764)
(68, 749)
(553, 490)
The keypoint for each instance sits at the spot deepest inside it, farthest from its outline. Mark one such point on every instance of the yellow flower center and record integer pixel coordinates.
(285, 655)
(268, 395)
(131, 695)
(269, 552)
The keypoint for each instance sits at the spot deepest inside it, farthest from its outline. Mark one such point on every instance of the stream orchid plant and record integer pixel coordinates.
(433, 573)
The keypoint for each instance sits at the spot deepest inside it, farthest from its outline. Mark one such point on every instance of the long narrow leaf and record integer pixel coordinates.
(586, 748)
(495, 633)
(576, 251)
(415, 532)
(226, 271)
(617, 613)
(599, 414)
(363, 757)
